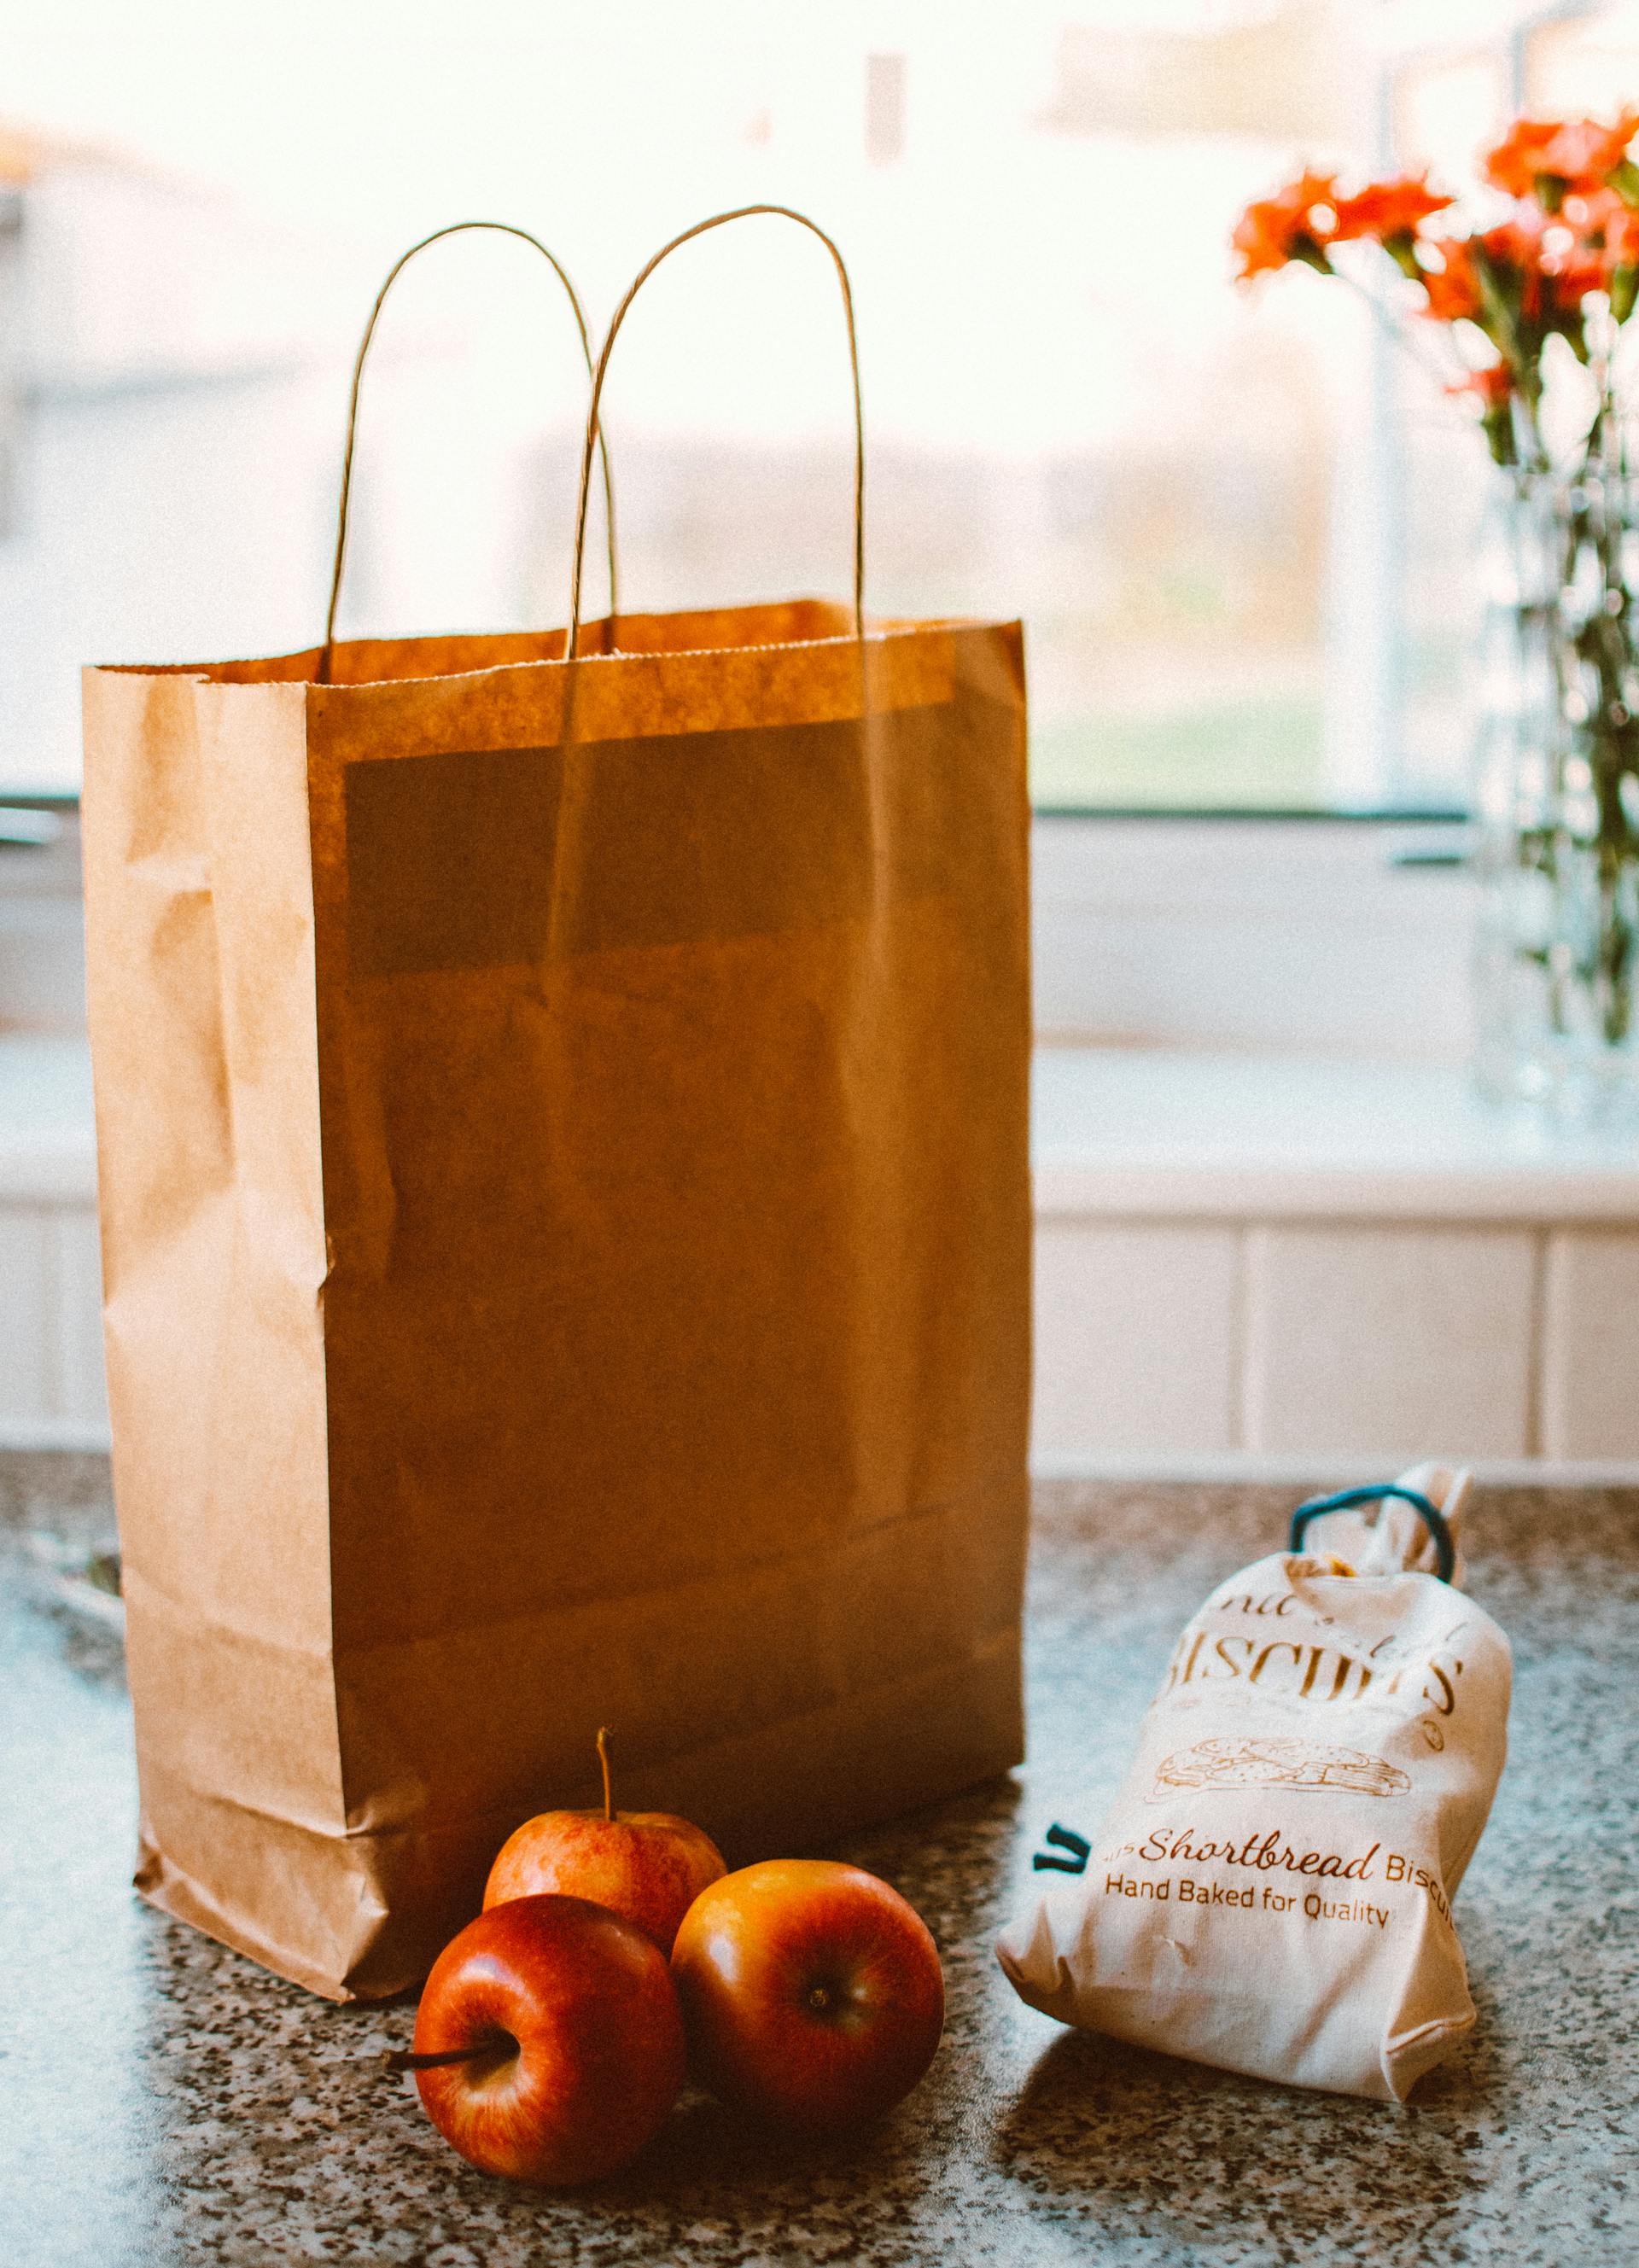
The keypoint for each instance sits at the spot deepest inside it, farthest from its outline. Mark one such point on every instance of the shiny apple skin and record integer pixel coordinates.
(647, 1864)
(599, 2055)
(754, 1952)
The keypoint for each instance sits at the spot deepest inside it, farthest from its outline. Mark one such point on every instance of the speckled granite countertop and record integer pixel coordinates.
(164, 2101)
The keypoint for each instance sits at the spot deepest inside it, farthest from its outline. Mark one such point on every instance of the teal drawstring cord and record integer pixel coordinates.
(1432, 1519)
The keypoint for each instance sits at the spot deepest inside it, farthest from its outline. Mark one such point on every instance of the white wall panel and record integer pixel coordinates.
(1411, 1341)
(1136, 1332)
(26, 1348)
(79, 1390)
(1591, 1345)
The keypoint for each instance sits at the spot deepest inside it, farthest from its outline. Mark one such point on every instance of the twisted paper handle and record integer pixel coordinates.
(459, 228)
(593, 433)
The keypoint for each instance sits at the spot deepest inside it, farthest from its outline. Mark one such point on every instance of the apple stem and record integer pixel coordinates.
(404, 2060)
(603, 1758)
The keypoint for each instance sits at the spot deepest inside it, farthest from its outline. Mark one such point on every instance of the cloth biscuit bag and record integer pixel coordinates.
(562, 1126)
(1271, 1891)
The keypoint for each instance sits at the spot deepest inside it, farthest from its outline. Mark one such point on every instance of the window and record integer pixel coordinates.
(1238, 528)
(884, 108)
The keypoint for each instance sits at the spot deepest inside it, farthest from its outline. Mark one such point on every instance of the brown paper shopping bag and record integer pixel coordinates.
(566, 1219)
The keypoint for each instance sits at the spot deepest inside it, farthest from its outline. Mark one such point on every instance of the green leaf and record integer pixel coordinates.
(1499, 431)
(1499, 315)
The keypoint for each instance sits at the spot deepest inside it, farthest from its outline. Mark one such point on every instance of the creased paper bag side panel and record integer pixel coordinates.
(683, 1666)
(658, 1251)
(924, 1724)
(199, 976)
(669, 1249)
(754, 1288)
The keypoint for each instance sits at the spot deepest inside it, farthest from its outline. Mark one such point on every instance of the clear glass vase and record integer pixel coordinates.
(1558, 797)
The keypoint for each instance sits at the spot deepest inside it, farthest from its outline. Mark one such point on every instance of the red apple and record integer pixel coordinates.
(647, 1864)
(812, 1992)
(549, 2043)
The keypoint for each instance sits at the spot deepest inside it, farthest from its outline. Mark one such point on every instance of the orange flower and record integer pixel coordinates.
(1573, 271)
(1454, 288)
(1518, 160)
(1605, 225)
(1585, 151)
(1491, 387)
(1559, 151)
(1388, 208)
(1516, 243)
(1287, 226)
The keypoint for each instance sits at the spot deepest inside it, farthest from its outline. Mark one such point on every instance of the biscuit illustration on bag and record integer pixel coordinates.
(1275, 1762)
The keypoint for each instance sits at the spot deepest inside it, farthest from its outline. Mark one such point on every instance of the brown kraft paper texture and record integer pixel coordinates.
(562, 1132)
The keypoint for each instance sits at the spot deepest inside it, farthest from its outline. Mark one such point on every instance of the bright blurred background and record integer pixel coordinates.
(1237, 523)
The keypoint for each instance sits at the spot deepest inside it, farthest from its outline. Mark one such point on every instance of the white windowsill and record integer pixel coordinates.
(1187, 1134)
(1115, 1131)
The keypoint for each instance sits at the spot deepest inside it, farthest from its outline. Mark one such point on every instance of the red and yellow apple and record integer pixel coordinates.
(812, 1992)
(549, 2045)
(648, 1866)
